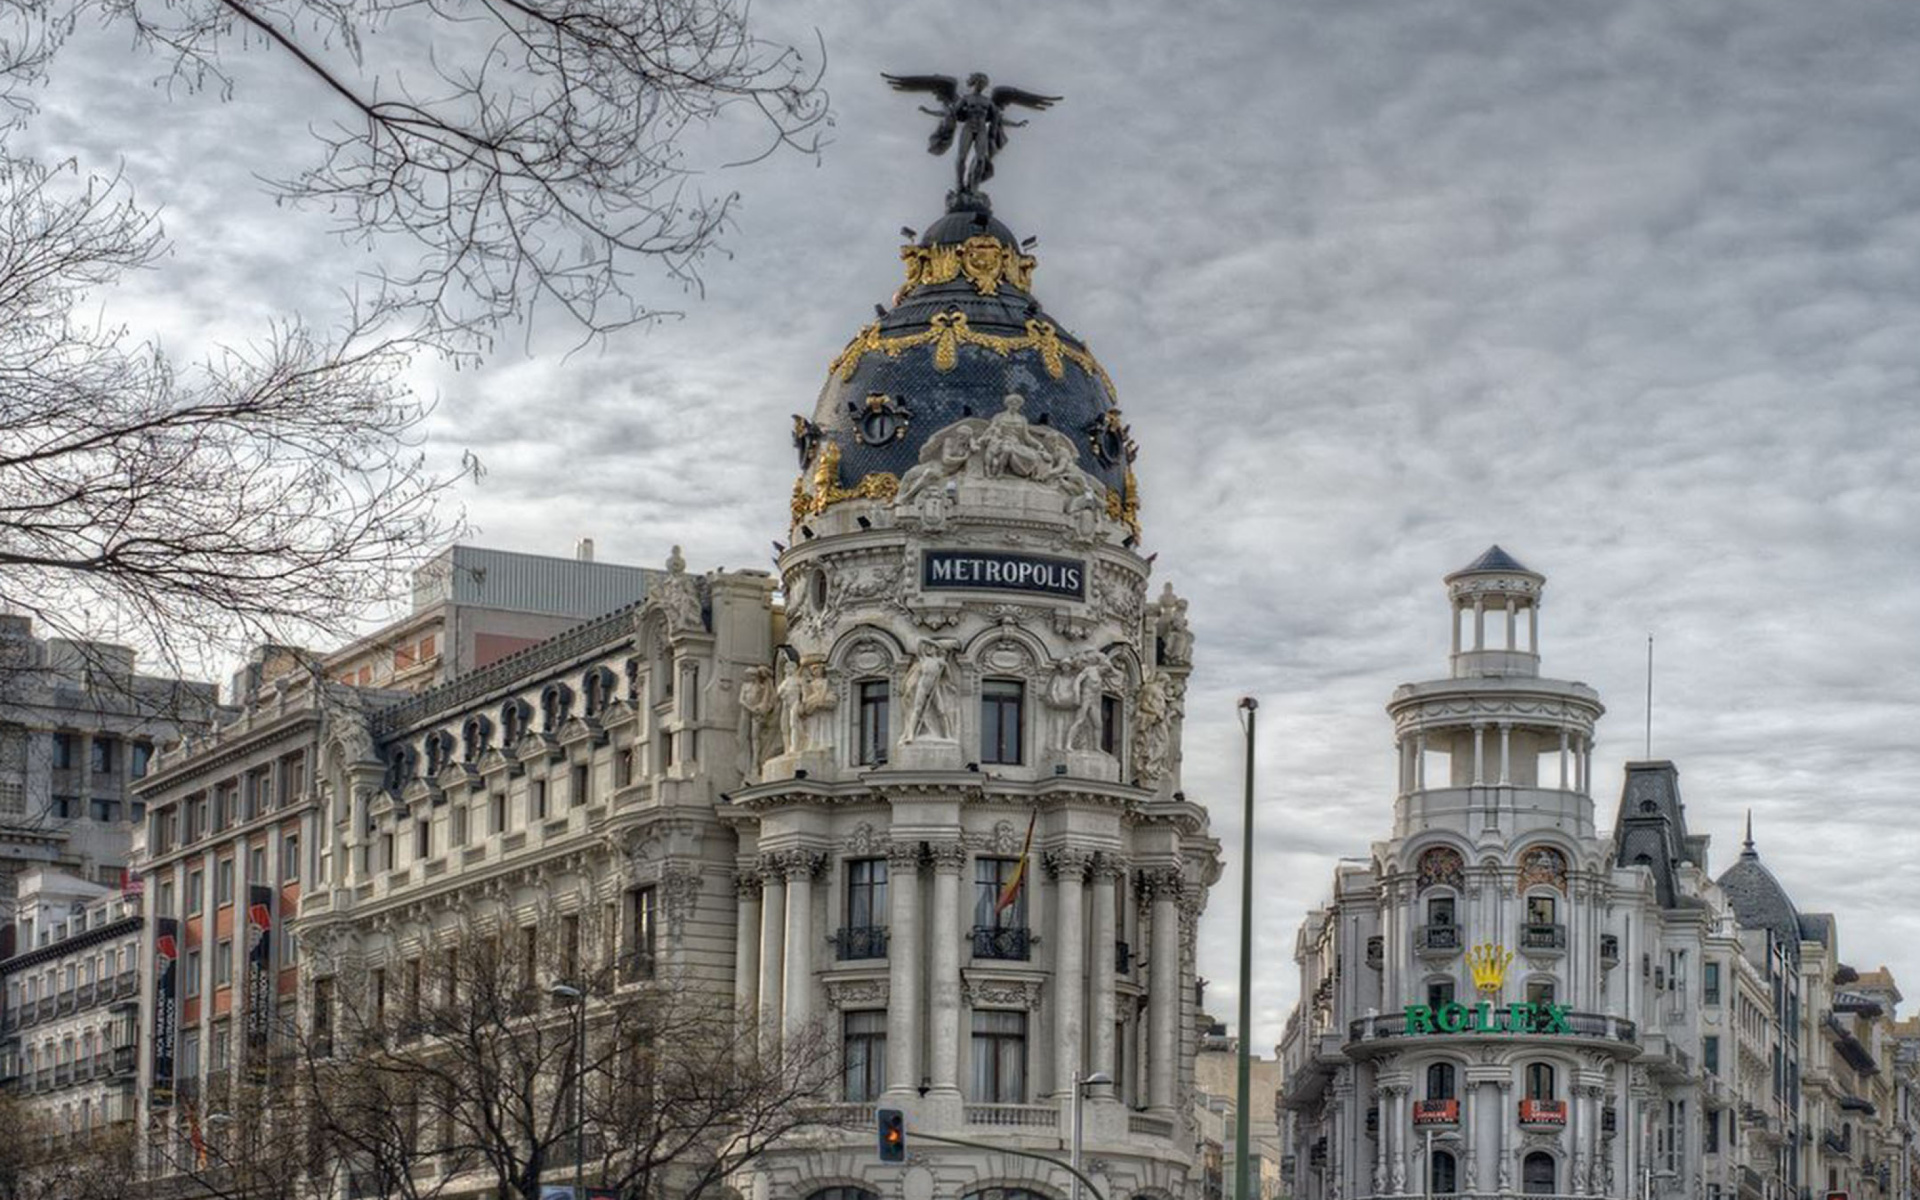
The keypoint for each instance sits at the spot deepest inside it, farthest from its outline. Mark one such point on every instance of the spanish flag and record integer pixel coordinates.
(1010, 890)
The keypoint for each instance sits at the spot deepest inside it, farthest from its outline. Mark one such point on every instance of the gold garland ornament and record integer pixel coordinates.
(987, 262)
(947, 331)
(881, 485)
(1125, 508)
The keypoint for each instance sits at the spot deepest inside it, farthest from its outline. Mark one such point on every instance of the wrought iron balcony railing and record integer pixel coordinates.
(992, 941)
(860, 941)
(1543, 937)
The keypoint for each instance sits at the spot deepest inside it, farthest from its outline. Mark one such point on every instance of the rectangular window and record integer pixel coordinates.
(1439, 993)
(257, 863)
(1540, 910)
(1710, 1053)
(537, 799)
(1539, 991)
(623, 767)
(1002, 702)
(1110, 739)
(999, 1057)
(102, 754)
(387, 860)
(570, 949)
(991, 877)
(865, 1055)
(641, 934)
(290, 858)
(1710, 982)
(219, 1048)
(582, 793)
(872, 739)
(190, 1055)
(413, 992)
(866, 892)
(163, 899)
(103, 810)
(223, 882)
(140, 755)
(497, 813)
(63, 752)
(422, 839)
(1440, 910)
(378, 987)
(458, 817)
(192, 966)
(196, 890)
(223, 963)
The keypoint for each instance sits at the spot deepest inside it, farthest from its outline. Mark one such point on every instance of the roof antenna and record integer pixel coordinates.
(1649, 696)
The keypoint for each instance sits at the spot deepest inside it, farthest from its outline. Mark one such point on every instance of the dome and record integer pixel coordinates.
(964, 332)
(1757, 898)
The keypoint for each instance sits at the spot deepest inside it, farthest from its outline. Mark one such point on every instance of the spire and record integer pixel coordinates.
(1746, 848)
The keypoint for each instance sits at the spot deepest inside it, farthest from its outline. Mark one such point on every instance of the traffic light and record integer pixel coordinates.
(893, 1136)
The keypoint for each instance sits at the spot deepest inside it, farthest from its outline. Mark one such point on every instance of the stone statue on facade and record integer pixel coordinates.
(1077, 687)
(817, 703)
(976, 120)
(1011, 445)
(757, 700)
(791, 690)
(679, 596)
(1171, 628)
(944, 456)
(1152, 727)
(932, 693)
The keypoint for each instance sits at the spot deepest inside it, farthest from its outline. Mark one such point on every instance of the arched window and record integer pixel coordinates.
(1440, 1081)
(1539, 1175)
(1540, 1081)
(844, 1192)
(1445, 1174)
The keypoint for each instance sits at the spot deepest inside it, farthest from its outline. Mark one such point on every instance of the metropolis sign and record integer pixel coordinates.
(980, 570)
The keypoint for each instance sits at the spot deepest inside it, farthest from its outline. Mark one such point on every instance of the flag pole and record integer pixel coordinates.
(1242, 1116)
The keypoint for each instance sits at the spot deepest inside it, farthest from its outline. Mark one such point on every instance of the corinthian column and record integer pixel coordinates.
(1162, 888)
(773, 942)
(903, 967)
(804, 865)
(746, 941)
(1107, 872)
(949, 860)
(1070, 869)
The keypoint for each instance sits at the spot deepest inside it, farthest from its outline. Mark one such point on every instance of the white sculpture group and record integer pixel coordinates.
(1006, 446)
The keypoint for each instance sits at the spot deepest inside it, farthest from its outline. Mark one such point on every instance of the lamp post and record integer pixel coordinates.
(1080, 1085)
(1426, 1170)
(577, 998)
(1243, 1102)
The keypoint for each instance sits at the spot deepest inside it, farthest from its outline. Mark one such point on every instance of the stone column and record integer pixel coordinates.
(1161, 887)
(903, 967)
(746, 941)
(1563, 760)
(1479, 622)
(1479, 754)
(773, 943)
(797, 1002)
(1513, 613)
(1506, 752)
(1503, 1159)
(1533, 626)
(1456, 626)
(1070, 868)
(1420, 761)
(1108, 873)
(1379, 1138)
(949, 860)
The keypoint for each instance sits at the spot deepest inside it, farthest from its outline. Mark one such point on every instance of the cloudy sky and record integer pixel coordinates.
(1632, 289)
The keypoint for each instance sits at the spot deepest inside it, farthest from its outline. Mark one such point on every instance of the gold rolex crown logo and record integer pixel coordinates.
(1488, 963)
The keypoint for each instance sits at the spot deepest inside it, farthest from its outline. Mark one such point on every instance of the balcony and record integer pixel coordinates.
(1543, 1113)
(1122, 958)
(1436, 1113)
(1543, 937)
(86, 995)
(1142, 1125)
(124, 1059)
(1437, 940)
(1008, 944)
(855, 942)
(1389, 1033)
(1014, 1116)
(1609, 951)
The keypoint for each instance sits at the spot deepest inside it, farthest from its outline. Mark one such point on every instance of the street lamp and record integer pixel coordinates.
(574, 996)
(1426, 1183)
(1080, 1085)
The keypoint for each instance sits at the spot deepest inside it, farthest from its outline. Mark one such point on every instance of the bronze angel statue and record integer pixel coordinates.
(976, 119)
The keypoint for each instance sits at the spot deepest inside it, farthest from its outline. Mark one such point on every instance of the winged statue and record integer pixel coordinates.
(976, 119)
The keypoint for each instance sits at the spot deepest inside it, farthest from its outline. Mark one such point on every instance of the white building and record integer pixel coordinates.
(73, 1001)
(1500, 999)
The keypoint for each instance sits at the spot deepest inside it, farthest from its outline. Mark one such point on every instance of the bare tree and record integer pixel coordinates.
(513, 153)
(274, 489)
(477, 1076)
(38, 1162)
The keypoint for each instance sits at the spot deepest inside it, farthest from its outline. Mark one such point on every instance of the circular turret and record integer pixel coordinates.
(1496, 583)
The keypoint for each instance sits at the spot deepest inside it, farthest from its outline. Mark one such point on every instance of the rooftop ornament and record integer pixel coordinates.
(976, 120)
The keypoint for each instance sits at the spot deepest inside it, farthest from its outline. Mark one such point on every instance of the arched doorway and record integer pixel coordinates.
(1445, 1174)
(1539, 1174)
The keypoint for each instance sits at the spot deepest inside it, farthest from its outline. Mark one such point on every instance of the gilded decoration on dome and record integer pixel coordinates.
(986, 261)
(1124, 507)
(1111, 439)
(1441, 867)
(948, 331)
(880, 485)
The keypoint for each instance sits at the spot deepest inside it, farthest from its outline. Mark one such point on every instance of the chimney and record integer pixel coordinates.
(583, 550)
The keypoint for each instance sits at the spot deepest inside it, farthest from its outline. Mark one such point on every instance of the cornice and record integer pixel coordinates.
(221, 755)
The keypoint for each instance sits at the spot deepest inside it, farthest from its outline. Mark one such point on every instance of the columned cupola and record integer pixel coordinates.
(1494, 739)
